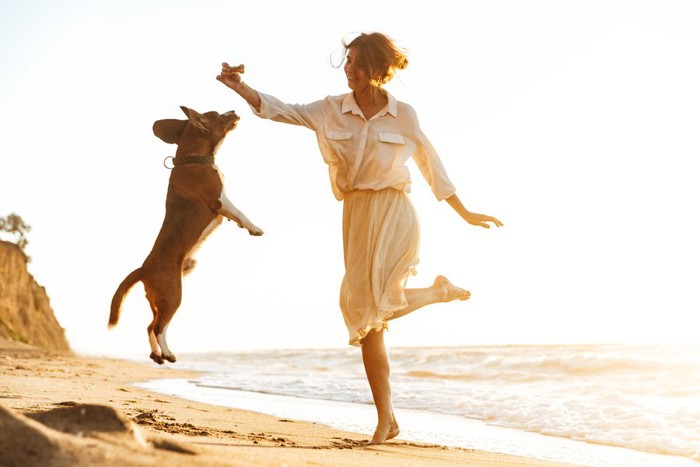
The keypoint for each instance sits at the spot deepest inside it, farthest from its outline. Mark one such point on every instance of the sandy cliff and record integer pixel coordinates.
(25, 311)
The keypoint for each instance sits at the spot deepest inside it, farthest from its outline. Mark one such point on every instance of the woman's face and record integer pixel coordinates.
(355, 71)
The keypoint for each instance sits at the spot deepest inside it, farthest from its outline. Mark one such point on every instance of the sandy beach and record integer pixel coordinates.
(63, 409)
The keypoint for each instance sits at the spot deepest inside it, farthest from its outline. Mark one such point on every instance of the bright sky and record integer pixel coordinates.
(574, 122)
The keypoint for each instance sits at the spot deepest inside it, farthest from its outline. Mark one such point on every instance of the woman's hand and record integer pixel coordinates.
(480, 220)
(231, 75)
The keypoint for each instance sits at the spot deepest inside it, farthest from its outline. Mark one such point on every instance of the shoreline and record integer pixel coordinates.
(418, 426)
(158, 428)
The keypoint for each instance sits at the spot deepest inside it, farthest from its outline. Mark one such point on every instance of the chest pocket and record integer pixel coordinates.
(393, 138)
(335, 135)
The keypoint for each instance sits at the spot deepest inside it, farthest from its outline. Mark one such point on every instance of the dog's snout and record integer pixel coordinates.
(230, 120)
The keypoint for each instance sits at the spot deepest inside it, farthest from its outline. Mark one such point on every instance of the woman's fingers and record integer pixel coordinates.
(482, 220)
(225, 69)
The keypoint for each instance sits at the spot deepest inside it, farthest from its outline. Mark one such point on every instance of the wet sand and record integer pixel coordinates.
(64, 410)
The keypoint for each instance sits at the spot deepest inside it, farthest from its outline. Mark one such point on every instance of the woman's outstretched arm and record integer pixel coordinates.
(265, 106)
(473, 218)
(231, 77)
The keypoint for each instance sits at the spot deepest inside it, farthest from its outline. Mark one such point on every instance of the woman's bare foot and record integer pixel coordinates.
(385, 432)
(450, 291)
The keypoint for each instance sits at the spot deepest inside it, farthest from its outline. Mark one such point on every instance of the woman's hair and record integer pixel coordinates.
(380, 56)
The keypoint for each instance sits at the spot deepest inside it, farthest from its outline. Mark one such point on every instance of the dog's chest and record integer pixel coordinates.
(196, 181)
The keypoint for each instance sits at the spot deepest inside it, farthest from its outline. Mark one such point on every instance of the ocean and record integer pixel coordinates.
(598, 405)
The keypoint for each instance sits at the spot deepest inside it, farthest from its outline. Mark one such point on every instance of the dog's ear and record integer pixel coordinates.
(197, 120)
(169, 130)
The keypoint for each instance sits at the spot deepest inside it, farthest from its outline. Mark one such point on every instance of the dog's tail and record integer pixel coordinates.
(119, 295)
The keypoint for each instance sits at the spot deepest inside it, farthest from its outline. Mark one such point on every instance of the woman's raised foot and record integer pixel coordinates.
(449, 291)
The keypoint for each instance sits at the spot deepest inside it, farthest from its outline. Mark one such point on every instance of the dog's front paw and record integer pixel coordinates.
(255, 231)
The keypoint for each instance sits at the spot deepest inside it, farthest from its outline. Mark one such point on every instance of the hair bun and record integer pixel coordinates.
(380, 56)
(400, 62)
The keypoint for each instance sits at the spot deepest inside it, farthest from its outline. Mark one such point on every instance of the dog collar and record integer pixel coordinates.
(181, 160)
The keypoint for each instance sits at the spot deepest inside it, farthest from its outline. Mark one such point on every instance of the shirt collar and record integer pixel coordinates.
(349, 105)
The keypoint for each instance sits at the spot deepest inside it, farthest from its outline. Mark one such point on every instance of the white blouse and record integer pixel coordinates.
(364, 154)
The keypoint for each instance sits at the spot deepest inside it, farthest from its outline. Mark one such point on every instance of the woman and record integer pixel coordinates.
(365, 137)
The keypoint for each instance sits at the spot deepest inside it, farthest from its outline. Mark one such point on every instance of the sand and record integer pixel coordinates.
(60, 409)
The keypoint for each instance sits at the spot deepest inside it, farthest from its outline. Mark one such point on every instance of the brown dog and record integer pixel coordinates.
(195, 205)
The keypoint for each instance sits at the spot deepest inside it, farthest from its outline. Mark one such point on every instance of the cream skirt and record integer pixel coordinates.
(380, 238)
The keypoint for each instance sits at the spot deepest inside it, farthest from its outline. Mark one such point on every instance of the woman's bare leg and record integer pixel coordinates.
(376, 360)
(442, 290)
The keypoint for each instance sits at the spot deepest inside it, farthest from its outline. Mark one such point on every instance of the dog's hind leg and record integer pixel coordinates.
(167, 305)
(164, 304)
(156, 356)
(167, 354)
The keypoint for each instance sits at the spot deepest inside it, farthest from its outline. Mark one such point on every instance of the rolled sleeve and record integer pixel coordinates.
(431, 167)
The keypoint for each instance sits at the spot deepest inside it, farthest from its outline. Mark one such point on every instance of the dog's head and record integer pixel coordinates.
(207, 129)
